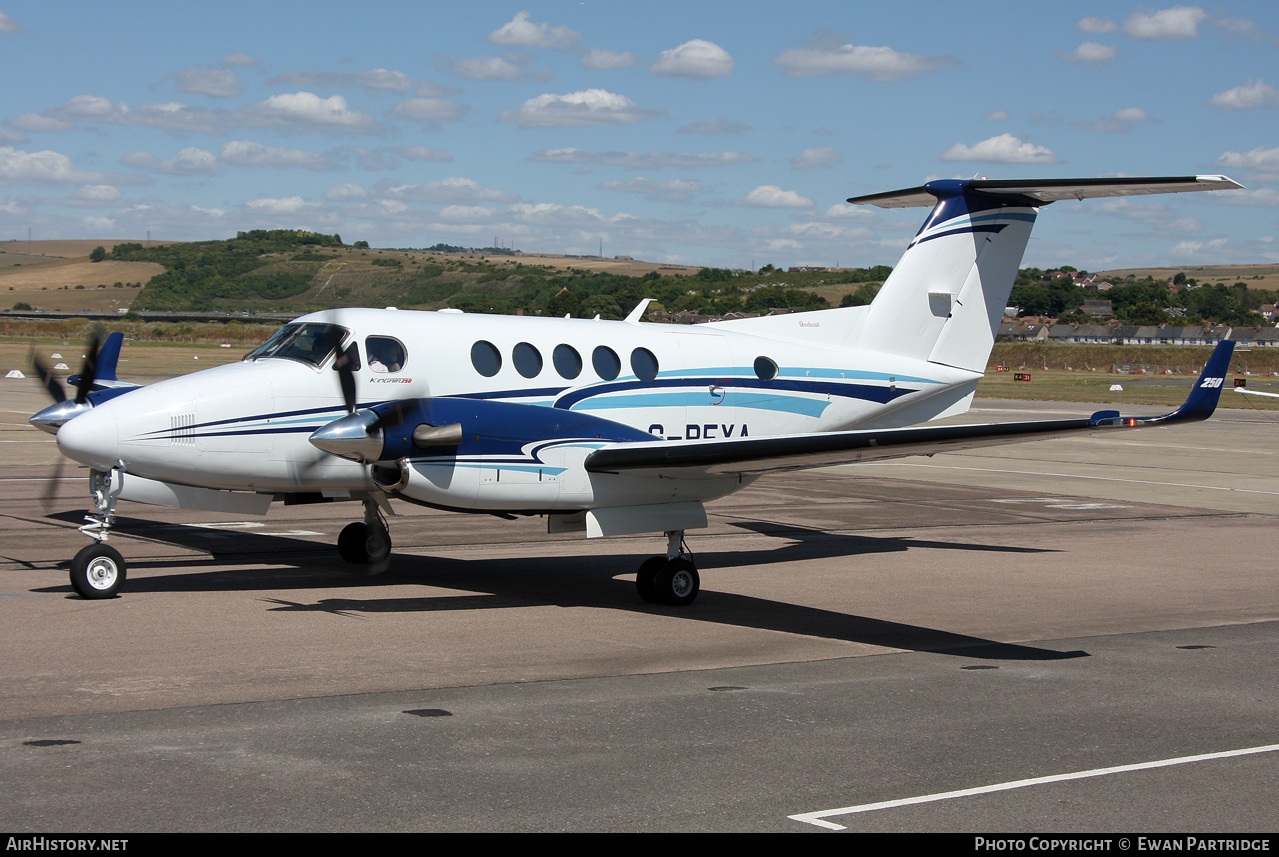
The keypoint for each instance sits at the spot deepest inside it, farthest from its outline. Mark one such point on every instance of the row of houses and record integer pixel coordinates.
(1098, 334)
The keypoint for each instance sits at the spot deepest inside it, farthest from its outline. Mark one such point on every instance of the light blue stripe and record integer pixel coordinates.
(735, 399)
(850, 374)
(728, 372)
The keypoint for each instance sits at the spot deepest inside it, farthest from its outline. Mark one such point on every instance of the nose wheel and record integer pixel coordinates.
(364, 544)
(98, 571)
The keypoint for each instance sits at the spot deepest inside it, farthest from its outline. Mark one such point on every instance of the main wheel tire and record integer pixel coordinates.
(98, 571)
(646, 576)
(353, 542)
(677, 583)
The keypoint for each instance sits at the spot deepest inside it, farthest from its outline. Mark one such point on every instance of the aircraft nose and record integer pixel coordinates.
(92, 438)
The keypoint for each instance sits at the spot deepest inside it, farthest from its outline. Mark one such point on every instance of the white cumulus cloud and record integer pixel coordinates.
(875, 63)
(456, 191)
(1092, 53)
(772, 196)
(344, 192)
(521, 32)
(1178, 22)
(8, 25)
(98, 194)
(285, 205)
(1254, 93)
(1261, 161)
(695, 58)
(47, 167)
(310, 109)
(191, 161)
(589, 107)
(1003, 149)
(245, 153)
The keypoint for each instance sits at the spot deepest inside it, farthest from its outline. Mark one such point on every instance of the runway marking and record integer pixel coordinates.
(1065, 475)
(817, 817)
(41, 479)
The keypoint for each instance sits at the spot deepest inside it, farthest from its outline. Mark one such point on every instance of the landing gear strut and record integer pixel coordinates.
(670, 579)
(98, 571)
(366, 542)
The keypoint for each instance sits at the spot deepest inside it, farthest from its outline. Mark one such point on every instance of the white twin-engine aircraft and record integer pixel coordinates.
(605, 427)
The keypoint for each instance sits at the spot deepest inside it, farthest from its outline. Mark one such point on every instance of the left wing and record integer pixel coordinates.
(693, 459)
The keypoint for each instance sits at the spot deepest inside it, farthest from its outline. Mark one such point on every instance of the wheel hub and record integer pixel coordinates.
(101, 573)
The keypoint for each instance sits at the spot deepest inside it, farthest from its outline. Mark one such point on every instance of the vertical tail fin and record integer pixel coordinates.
(944, 300)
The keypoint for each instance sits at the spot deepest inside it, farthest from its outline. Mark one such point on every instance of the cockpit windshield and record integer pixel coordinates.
(311, 343)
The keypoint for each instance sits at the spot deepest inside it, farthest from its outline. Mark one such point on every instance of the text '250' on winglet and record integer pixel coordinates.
(1199, 405)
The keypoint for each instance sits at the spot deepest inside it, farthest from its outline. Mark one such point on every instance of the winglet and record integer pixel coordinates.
(1199, 405)
(1202, 400)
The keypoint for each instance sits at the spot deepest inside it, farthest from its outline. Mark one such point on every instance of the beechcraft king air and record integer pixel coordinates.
(604, 427)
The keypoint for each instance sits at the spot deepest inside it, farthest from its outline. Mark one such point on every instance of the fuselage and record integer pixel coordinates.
(245, 426)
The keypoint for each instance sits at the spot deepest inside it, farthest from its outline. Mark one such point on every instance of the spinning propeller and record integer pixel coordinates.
(63, 409)
(357, 436)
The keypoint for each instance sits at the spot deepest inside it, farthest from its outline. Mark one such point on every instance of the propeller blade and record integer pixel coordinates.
(47, 378)
(89, 372)
(345, 366)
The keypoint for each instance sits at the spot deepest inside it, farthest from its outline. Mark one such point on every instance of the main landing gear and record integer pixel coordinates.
(98, 571)
(670, 579)
(367, 542)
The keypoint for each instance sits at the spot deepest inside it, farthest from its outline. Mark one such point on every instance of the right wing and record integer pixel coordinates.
(695, 459)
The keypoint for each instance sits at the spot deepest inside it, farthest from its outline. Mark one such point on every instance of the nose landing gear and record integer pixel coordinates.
(367, 542)
(98, 570)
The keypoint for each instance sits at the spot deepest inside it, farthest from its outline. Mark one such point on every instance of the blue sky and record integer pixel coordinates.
(706, 133)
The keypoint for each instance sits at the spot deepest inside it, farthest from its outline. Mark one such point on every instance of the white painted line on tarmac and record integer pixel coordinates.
(818, 817)
(1063, 475)
(41, 479)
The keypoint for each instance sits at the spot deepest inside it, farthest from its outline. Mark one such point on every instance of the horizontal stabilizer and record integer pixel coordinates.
(1044, 191)
(695, 459)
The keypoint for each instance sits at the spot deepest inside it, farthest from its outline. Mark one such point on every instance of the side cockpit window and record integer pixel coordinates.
(311, 343)
(385, 354)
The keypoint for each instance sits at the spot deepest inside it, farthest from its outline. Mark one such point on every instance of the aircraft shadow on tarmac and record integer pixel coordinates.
(565, 581)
